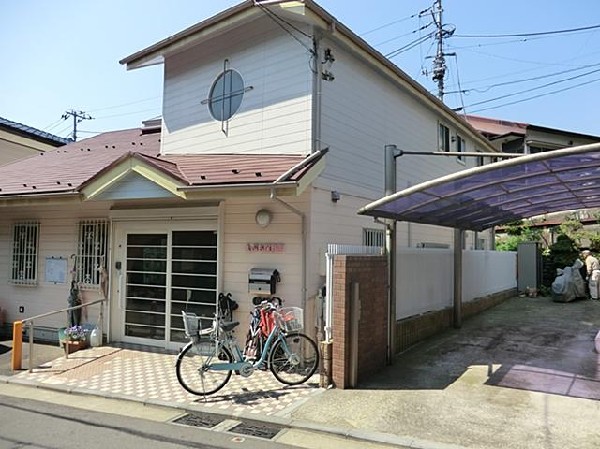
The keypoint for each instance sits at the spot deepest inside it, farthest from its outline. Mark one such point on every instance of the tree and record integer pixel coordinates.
(517, 232)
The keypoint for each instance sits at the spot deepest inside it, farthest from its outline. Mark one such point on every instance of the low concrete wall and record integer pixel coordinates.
(424, 301)
(413, 329)
(425, 278)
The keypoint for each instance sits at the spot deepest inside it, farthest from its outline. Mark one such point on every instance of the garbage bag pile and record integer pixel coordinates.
(568, 285)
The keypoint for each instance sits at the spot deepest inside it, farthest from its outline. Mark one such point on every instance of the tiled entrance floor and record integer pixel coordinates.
(148, 374)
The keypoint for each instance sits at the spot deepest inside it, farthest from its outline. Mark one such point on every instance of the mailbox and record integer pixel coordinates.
(263, 281)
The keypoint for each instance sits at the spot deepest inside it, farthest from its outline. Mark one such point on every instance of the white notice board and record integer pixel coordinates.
(56, 270)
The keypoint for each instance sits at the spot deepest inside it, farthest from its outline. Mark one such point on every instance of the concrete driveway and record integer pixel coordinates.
(521, 375)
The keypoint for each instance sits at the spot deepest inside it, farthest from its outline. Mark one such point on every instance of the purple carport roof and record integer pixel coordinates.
(482, 197)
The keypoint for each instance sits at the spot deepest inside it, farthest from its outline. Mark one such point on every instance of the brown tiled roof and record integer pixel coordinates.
(208, 169)
(69, 168)
(496, 127)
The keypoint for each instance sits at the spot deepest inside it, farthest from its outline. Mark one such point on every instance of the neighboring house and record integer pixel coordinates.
(18, 141)
(272, 136)
(525, 138)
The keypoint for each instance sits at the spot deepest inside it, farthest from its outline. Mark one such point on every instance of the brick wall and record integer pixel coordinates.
(370, 272)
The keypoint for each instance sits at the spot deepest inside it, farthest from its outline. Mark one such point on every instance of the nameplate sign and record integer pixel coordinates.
(265, 247)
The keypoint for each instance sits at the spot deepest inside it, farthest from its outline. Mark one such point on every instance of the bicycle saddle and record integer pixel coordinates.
(229, 325)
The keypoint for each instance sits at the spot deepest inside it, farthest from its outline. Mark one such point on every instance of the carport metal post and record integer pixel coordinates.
(391, 153)
(458, 266)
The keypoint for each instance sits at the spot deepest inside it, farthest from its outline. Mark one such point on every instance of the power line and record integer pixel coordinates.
(535, 78)
(538, 96)
(541, 33)
(125, 113)
(280, 21)
(421, 28)
(125, 104)
(536, 88)
(410, 45)
(396, 22)
(506, 58)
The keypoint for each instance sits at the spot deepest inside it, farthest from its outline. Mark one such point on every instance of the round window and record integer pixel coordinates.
(226, 95)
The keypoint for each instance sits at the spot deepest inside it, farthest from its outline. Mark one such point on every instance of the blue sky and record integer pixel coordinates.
(63, 54)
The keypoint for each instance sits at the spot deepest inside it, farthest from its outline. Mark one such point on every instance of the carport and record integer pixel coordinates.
(483, 197)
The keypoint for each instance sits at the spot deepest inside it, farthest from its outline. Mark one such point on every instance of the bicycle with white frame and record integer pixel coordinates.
(206, 363)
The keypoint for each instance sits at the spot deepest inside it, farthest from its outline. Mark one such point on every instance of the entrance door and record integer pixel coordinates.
(165, 273)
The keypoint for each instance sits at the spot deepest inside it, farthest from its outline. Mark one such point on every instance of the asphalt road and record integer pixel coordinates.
(26, 423)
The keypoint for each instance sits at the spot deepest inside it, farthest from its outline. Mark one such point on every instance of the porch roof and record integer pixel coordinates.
(72, 167)
(498, 193)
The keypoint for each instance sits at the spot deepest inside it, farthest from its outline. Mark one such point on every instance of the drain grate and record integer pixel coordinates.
(199, 420)
(257, 429)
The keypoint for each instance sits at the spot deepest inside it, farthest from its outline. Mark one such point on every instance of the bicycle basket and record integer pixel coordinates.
(191, 323)
(291, 319)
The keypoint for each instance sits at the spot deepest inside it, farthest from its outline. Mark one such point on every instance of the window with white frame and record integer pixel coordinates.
(25, 253)
(460, 147)
(92, 247)
(373, 237)
(444, 138)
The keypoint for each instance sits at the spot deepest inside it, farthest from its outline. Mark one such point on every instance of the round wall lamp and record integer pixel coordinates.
(263, 218)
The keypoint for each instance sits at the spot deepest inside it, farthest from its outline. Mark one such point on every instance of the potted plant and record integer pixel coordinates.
(75, 339)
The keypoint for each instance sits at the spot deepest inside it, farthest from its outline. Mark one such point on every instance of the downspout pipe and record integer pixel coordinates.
(391, 153)
(302, 216)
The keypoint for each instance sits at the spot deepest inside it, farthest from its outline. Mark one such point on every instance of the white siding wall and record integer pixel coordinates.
(332, 223)
(487, 272)
(362, 112)
(239, 228)
(57, 237)
(560, 140)
(425, 278)
(274, 116)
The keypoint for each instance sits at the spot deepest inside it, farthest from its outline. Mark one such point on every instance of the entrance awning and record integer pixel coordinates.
(498, 193)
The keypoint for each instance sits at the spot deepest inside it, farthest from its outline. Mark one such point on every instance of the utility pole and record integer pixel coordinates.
(78, 117)
(439, 62)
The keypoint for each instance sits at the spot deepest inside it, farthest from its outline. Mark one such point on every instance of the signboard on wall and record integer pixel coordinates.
(56, 270)
(265, 247)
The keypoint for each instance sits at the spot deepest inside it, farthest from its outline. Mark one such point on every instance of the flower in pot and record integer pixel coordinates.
(75, 338)
(75, 333)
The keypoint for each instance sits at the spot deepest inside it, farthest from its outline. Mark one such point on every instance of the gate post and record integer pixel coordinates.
(17, 345)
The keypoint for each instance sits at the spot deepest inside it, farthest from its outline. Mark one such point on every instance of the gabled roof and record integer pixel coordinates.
(33, 133)
(70, 169)
(497, 127)
(302, 10)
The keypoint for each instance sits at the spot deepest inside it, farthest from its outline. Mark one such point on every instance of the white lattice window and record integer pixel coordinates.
(373, 237)
(25, 253)
(91, 252)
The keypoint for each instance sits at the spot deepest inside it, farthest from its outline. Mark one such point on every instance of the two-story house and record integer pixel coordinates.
(18, 141)
(275, 117)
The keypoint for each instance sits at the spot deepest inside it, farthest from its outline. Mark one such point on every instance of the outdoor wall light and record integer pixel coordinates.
(263, 218)
(335, 196)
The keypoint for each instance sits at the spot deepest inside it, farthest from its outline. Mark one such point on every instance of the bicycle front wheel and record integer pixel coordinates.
(193, 368)
(293, 358)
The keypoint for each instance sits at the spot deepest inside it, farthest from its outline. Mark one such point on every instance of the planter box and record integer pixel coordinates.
(74, 346)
